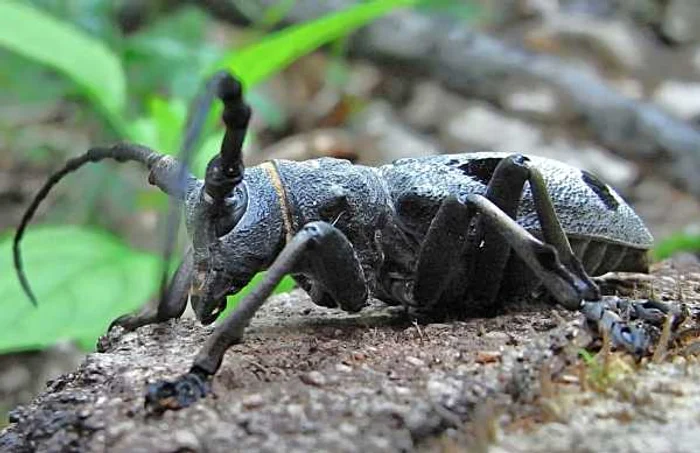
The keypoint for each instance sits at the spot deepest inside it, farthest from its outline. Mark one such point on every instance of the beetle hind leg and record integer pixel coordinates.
(488, 246)
(630, 324)
(449, 240)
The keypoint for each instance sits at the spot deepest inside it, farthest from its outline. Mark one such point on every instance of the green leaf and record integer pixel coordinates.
(88, 63)
(679, 242)
(171, 55)
(210, 148)
(83, 279)
(259, 61)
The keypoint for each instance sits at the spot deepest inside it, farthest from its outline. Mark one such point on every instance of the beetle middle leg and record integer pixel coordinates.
(318, 250)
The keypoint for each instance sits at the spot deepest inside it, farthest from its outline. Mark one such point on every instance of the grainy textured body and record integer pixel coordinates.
(386, 211)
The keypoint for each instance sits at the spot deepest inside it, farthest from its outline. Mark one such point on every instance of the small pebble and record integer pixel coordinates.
(186, 440)
(488, 356)
(501, 336)
(254, 400)
(415, 361)
(342, 368)
(313, 378)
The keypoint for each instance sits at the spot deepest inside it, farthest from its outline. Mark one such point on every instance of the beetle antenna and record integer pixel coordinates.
(225, 171)
(193, 130)
(163, 174)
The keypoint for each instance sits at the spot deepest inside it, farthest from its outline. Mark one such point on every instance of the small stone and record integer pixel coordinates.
(539, 102)
(569, 379)
(616, 43)
(348, 429)
(497, 336)
(342, 368)
(537, 8)
(402, 391)
(379, 443)
(14, 378)
(482, 127)
(681, 21)
(415, 361)
(431, 105)
(680, 98)
(296, 410)
(313, 378)
(364, 78)
(389, 138)
(254, 400)
(186, 440)
(484, 357)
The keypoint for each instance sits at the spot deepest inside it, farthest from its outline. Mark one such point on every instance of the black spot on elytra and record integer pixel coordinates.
(600, 189)
(479, 169)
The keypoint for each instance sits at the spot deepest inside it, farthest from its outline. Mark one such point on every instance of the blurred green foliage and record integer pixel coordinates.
(675, 243)
(85, 277)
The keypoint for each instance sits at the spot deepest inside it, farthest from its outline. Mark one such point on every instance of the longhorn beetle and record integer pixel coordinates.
(442, 234)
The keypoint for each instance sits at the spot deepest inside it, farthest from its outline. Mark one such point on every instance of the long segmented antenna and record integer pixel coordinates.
(163, 169)
(193, 129)
(225, 171)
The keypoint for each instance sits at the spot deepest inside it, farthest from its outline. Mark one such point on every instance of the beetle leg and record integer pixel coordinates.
(439, 254)
(169, 307)
(447, 242)
(491, 253)
(319, 249)
(613, 315)
(442, 249)
(488, 251)
(567, 287)
(552, 231)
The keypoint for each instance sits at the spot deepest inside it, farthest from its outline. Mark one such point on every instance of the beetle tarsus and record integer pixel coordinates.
(628, 324)
(179, 393)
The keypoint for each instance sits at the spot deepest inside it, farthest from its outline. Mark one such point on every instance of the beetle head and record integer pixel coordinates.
(231, 234)
(218, 208)
(211, 226)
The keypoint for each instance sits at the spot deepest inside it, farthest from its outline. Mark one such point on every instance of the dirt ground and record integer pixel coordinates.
(314, 379)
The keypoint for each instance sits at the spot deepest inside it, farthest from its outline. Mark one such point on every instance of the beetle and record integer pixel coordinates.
(447, 235)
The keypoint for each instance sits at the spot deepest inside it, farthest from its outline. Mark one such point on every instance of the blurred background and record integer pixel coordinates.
(611, 86)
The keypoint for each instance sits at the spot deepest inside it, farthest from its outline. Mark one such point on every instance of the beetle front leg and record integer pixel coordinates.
(170, 306)
(318, 248)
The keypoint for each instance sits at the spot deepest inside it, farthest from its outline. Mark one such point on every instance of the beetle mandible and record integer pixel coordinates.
(448, 234)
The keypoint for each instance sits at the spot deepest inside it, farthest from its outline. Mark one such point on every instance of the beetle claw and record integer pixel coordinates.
(176, 394)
